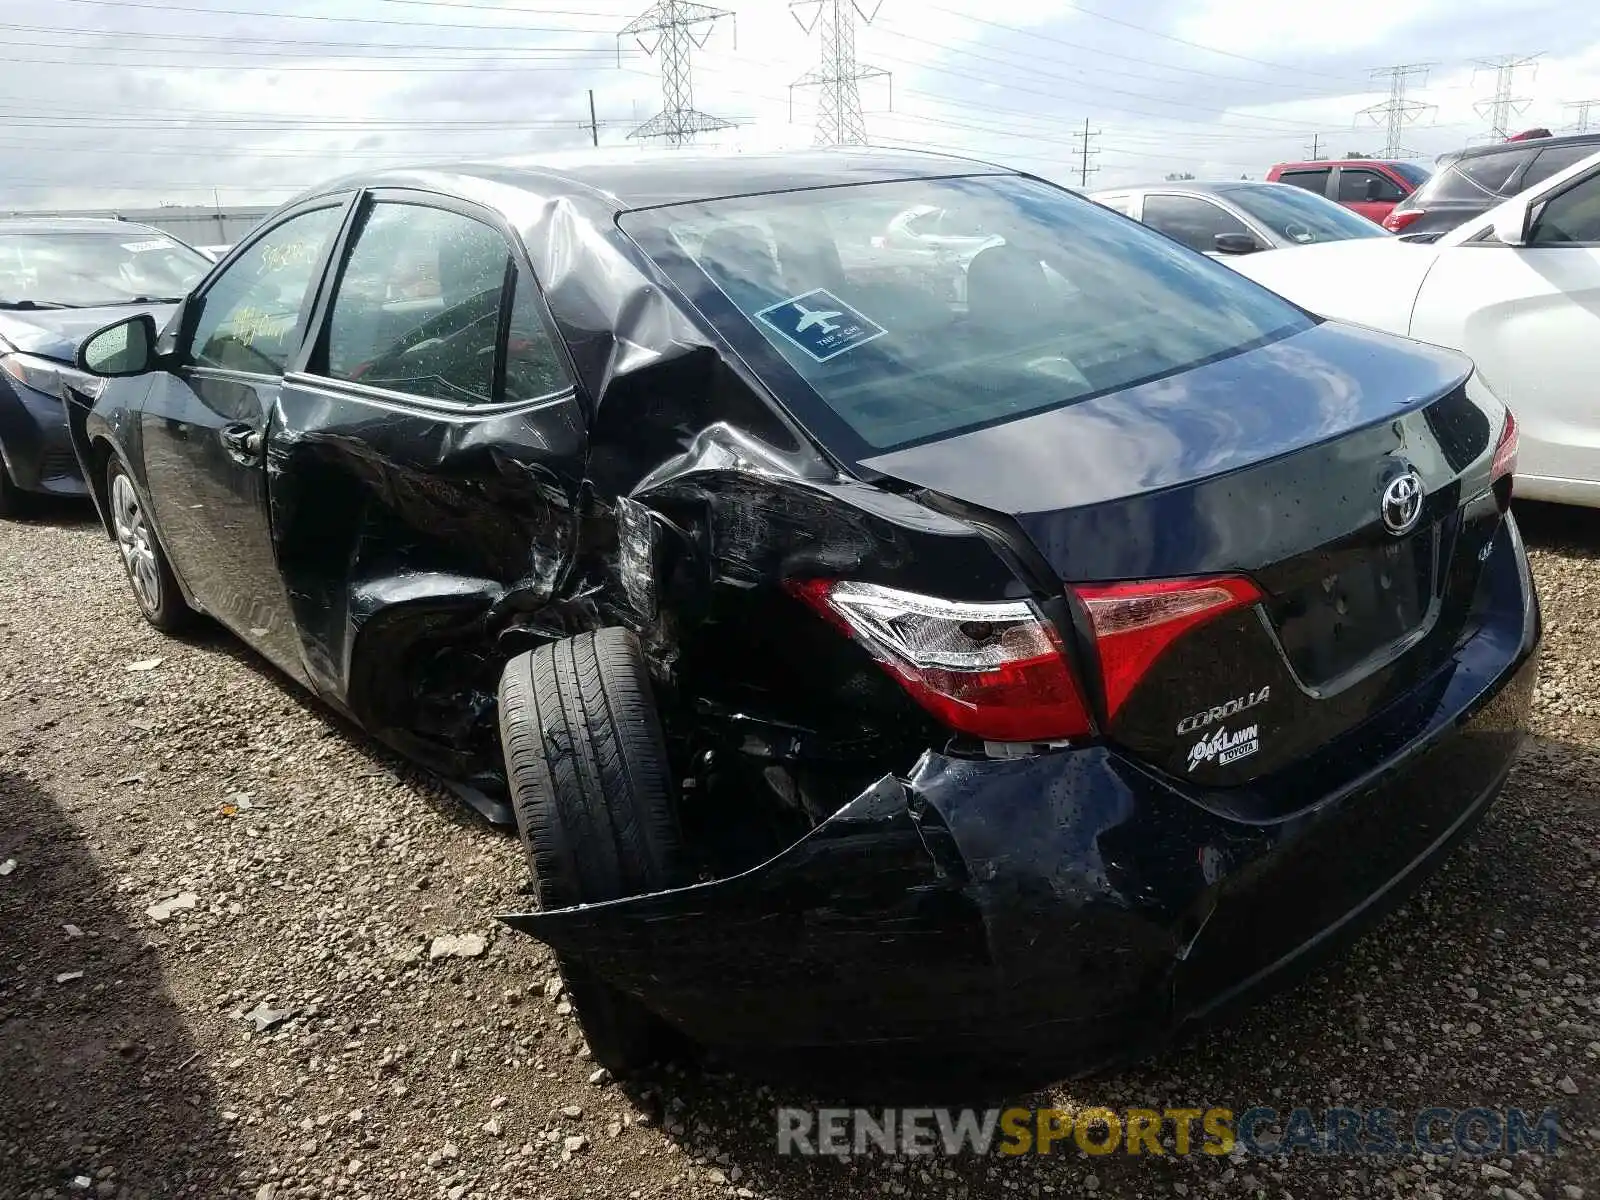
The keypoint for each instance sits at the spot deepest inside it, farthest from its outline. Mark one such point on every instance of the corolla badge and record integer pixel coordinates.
(1223, 747)
(1402, 503)
(1221, 712)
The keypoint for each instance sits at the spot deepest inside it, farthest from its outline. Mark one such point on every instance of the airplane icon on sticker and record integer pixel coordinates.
(820, 324)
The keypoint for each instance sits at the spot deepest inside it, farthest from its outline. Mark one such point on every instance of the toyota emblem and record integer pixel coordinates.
(1402, 503)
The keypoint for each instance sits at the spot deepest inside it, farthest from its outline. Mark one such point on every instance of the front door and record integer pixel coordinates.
(204, 430)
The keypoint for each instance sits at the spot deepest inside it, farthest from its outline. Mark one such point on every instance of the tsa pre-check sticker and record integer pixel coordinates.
(821, 324)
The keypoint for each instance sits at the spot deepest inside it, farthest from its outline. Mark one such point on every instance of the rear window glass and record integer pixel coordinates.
(1029, 298)
(1473, 179)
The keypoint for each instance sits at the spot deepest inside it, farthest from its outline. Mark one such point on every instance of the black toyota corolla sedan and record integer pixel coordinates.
(1024, 654)
(60, 280)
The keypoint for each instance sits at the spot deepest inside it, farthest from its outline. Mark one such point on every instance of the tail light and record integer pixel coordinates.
(995, 671)
(1135, 622)
(1398, 219)
(1505, 452)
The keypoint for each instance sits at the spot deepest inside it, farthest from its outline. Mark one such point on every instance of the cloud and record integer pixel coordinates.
(250, 100)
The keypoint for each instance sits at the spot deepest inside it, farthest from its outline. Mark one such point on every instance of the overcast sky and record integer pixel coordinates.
(141, 102)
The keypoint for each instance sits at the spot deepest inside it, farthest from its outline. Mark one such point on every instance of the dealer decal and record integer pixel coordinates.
(141, 247)
(1223, 747)
(821, 324)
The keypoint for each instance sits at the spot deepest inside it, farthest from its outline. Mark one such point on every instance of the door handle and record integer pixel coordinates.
(243, 442)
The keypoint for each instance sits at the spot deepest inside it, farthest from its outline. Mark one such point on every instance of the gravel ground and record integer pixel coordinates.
(199, 850)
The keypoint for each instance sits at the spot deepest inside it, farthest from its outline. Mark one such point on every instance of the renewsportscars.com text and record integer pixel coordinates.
(1471, 1132)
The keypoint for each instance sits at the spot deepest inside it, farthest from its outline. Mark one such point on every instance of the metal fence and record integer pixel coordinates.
(199, 226)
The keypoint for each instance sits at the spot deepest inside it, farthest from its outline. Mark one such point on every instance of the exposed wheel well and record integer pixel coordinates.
(100, 453)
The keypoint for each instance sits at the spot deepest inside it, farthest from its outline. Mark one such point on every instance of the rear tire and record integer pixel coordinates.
(591, 790)
(155, 588)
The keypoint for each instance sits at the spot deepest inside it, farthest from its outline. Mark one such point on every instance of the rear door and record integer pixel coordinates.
(1368, 192)
(1530, 318)
(204, 426)
(427, 459)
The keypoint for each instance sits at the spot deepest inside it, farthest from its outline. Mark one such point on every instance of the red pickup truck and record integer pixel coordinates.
(1369, 186)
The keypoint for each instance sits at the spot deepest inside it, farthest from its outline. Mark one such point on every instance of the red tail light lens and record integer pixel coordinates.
(994, 671)
(1135, 622)
(1398, 219)
(1505, 452)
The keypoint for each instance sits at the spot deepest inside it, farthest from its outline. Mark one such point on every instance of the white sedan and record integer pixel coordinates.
(1518, 289)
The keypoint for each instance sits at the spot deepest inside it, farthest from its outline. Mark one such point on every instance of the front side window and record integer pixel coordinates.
(1357, 186)
(54, 268)
(418, 304)
(1312, 181)
(1571, 217)
(1299, 217)
(250, 315)
(1060, 300)
(1190, 220)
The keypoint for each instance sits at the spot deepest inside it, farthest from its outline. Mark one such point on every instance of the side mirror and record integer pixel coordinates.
(126, 347)
(1511, 222)
(1234, 243)
(1374, 190)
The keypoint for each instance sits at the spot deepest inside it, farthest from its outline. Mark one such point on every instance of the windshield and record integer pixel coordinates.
(1415, 173)
(83, 270)
(1297, 216)
(1057, 301)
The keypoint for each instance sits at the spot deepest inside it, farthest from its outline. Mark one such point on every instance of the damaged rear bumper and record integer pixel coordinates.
(1054, 912)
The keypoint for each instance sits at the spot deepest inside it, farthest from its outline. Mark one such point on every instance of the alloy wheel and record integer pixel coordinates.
(133, 539)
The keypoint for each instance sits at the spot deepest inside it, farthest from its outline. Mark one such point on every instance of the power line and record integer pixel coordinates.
(1580, 123)
(679, 27)
(1085, 154)
(1502, 106)
(1397, 112)
(838, 77)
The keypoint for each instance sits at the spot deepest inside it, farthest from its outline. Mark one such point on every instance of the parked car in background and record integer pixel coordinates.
(1468, 183)
(60, 280)
(1019, 678)
(1369, 186)
(1238, 216)
(1517, 288)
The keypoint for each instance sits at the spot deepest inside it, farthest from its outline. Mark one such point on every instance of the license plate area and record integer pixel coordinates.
(1361, 602)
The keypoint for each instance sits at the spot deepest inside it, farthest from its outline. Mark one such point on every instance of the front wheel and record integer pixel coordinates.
(154, 587)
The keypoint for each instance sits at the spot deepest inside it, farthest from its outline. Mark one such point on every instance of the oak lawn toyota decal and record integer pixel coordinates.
(1224, 747)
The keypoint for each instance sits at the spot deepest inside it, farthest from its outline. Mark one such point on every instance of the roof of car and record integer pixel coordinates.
(647, 179)
(1214, 187)
(1572, 139)
(21, 223)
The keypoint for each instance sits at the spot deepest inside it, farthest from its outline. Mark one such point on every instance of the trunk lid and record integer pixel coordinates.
(1273, 463)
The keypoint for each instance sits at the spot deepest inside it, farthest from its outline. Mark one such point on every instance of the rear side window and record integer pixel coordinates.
(1192, 221)
(1358, 185)
(533, 367)
(1052, 300)
(1312, 181)
(418, 305)
(1557, 158)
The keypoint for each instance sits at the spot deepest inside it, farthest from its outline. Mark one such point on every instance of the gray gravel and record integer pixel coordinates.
(245, 952)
